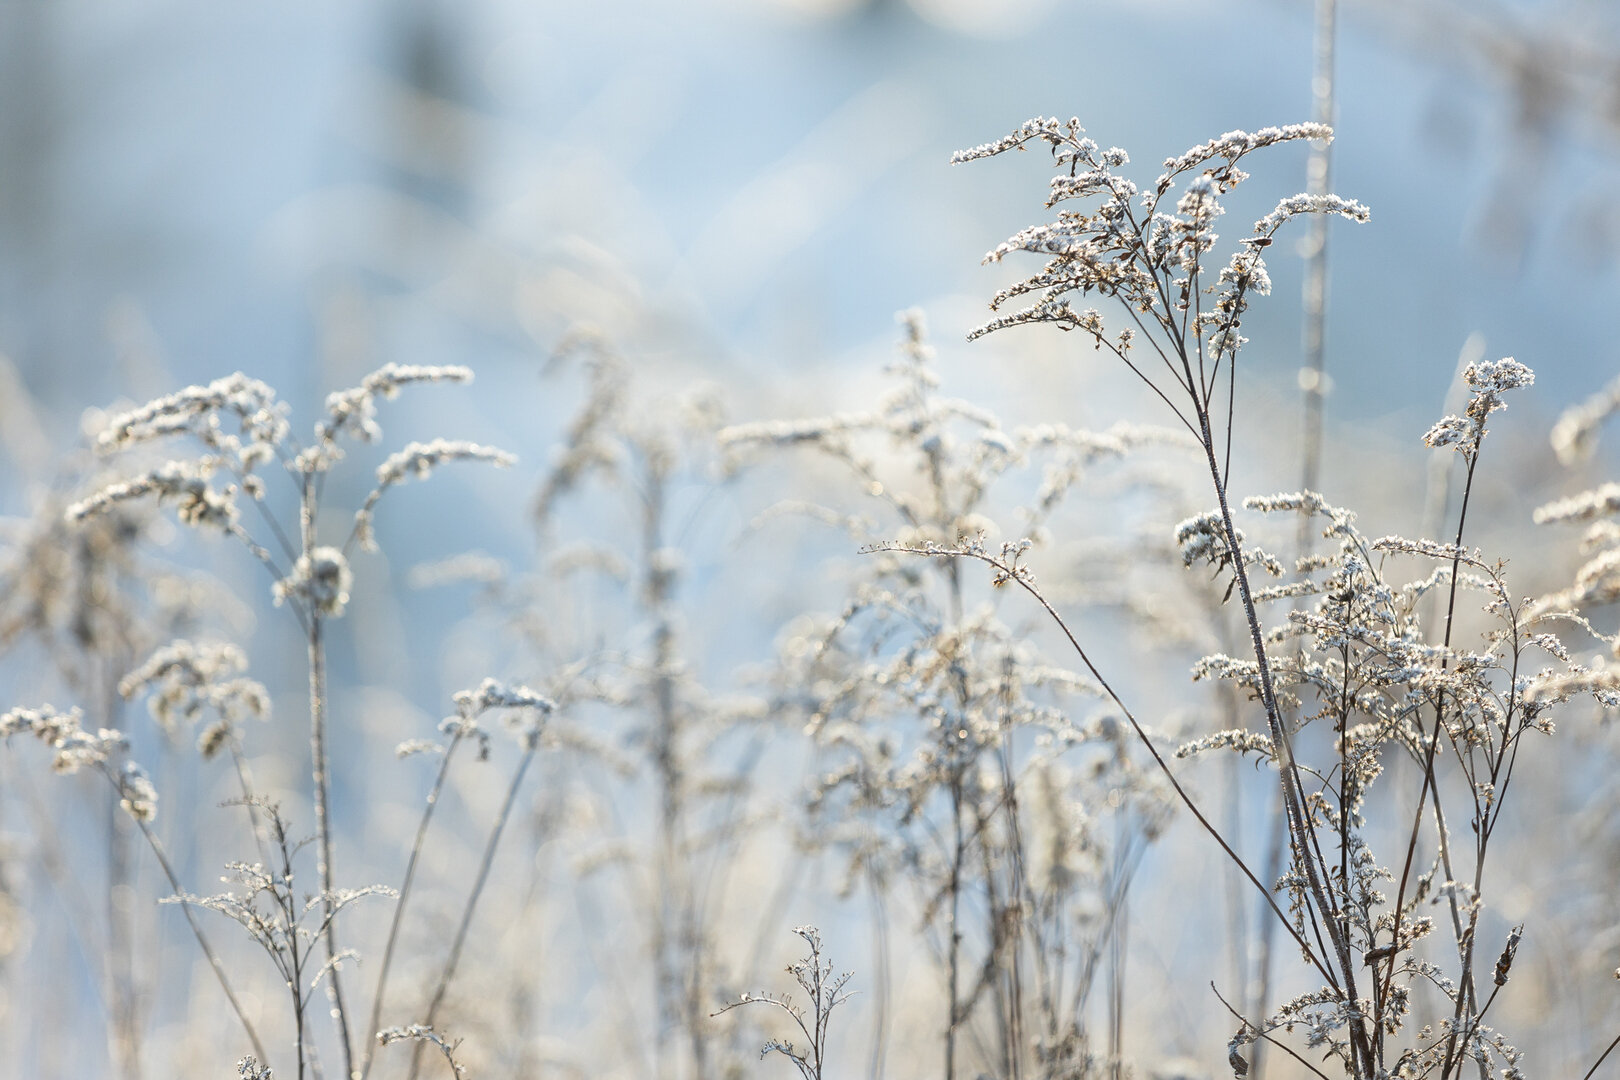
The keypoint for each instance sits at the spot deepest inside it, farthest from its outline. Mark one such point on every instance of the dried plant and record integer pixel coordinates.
(274, 916)
(608, 606)
(104, 751)
(824, 991)
(241, 429)
(423, 1035)
(961, 762)
(79, 605)
(953, 745)
(1360, 654)
(691, 749)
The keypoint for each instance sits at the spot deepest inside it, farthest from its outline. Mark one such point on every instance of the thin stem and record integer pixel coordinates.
(314, 625)
(1020, 900)
(196, 930)
(1602, 1058)
(1142, 736)
(484, 867)
(954, 946)
(880, 970)
(1260, 1034)
(1300, 826)
(1118, 929)
(323, 831)
(1293, 792)
(124, 1033)
(297, 957)
(1439, 717)
(1268, 929)
(373, 1024)
(244, 778)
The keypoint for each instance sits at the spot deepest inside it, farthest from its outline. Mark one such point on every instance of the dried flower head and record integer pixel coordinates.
(185, 679)
(76, 748)
(321, 580)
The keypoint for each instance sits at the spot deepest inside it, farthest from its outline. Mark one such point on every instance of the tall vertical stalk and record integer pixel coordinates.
(1313, 386)
(485, 863)
(1318, 180)
(432, 802)
(319, 766)
(954, 945)
(323, 830)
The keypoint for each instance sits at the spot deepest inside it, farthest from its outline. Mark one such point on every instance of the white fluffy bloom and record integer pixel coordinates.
(262, 418)
(418, 460)
(183, 483)
(354, 411)
(1295, 205)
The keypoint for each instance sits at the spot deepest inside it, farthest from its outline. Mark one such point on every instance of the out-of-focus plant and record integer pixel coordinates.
(959, 761)
(610, 601)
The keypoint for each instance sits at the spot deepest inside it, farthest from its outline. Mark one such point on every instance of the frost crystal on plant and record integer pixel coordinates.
(185, 679)
(76, 748)
(354, 411)
(320, 579)
(1489, 381)
(185, 484)
(417, 461)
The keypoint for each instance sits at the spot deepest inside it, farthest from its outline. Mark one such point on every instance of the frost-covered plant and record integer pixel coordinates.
(423, 1035)
(823, 989)
(526, 713)
(242, 432)
(106, 751)
(959, 761)
(274, 915)
(609, 603)
(1358, 662)
(1597, 581)
(250, 1069)
(74, 748)
(186, 680)
(1595, 587)
(80, 603)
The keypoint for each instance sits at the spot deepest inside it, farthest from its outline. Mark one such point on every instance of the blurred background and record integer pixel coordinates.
(733, 198)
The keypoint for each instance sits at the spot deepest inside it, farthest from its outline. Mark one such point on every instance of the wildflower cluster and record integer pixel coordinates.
(996, 799)
(1488, 381)
(241, 428)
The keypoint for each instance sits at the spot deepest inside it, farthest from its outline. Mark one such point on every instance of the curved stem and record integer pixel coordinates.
(372, 1025)
(196, 930)
(472, 900)
(1142, 736)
